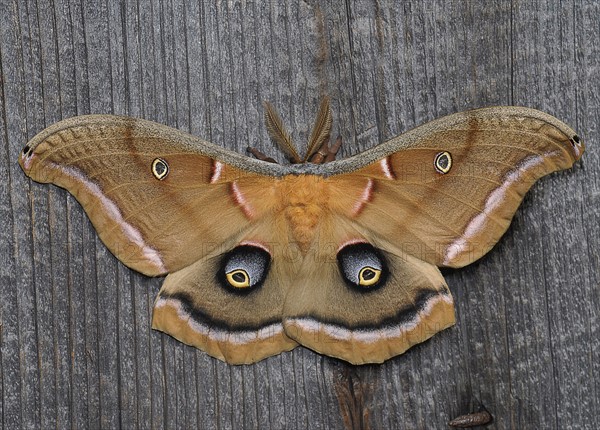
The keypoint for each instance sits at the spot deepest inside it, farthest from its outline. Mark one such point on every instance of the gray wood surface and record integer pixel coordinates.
(77, 350)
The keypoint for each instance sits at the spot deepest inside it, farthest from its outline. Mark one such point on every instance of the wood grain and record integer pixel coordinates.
(76, 345)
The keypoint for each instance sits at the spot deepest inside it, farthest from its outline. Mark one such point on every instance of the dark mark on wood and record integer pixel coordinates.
(354, 393)
(471, 420)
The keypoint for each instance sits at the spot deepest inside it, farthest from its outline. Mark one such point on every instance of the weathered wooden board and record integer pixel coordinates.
(76, 345)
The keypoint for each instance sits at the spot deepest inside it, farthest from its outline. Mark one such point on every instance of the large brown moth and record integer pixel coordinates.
(341, 257)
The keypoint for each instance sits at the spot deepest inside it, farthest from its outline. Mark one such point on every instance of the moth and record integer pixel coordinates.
(338, 256)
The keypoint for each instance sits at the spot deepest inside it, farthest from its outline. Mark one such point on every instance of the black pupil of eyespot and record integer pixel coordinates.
(160, 168)
(238, 277)
(368, 274)
(443, 161)
(576, 139)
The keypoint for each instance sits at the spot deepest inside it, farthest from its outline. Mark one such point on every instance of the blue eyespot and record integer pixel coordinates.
(362, 266)
(244, 268)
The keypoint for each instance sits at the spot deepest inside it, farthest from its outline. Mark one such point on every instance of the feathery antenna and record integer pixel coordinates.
(279, 134)
(321, 131)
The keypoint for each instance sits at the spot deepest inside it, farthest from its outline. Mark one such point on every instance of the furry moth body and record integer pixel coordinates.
(340, 257)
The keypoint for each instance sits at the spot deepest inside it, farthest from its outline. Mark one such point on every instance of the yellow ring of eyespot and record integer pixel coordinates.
(368, 282)
(237, 284)
(436, 162)
(160, 175)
